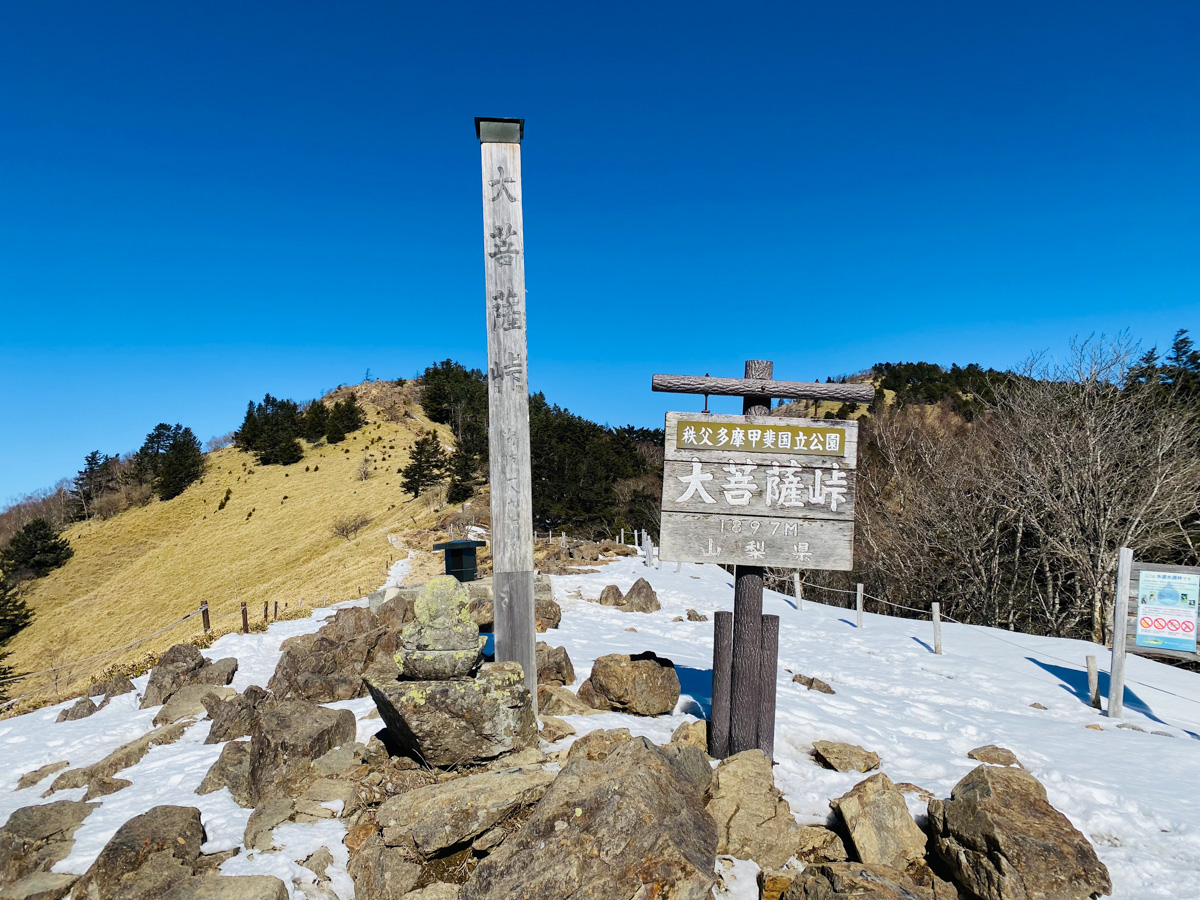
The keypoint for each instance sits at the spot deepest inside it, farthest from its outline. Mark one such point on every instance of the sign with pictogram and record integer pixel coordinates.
(1166, 612)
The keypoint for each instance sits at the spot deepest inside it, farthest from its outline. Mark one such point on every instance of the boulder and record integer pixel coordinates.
(856, 881)
(554, 665)
(182, 665)
(641, 598)
(262, 822)
(189, 701)
(881, 830)
(554, 700)
(237, 716)
(396, 611)
(627, 826)
(587, 551)
(693, 616)
(219, 673)
(122, 758)
(547, 613)
(1000, 838)
(231, 770)
(644, 685)
(39, 886)
(611, 595)
(438, 890)
(169, 835)
(81, 709)
(598, 744)
(113, 686)
(36, 837)
(225, 887)
(554, 729)
(813, 684)
(442, 641)
(438, 818)
(692, 764)
(483, 613)
(753, 820)
(290, 735)
(773, 882)
(844, 757)
(692, 733)
(996, 756)
(818, 844)
(448, 723)
(329, 665)
(380, 872)
(102, 787)
(29, 779)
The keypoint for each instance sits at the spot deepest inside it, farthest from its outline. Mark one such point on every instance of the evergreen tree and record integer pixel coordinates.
(426, 466)
(348, 415)
(181, 463)
(14, 614)
(333, 432)
(34, 551)
(316, 421)
(249, 436)
(462, 476)
(269, 431)
(149, 456)
(96, 477)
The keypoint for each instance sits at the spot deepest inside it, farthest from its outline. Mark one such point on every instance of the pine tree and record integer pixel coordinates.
(34, 551)
(462, 476)
(14, 614)
(180, 464)
(96, 477)
(333, 432)
(427, 464)
(348, 414)
(316, 421)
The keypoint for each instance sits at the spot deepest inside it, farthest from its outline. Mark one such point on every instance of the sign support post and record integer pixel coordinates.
(508, 394)
(1116, 669)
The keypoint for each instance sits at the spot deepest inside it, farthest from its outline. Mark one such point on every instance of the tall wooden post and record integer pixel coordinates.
(508, 394)
(745, 693)
(1116, 668)
(718, 719)
(768, 681)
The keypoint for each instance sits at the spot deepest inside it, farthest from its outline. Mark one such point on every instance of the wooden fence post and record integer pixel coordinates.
(1093, 682)
(245, 619)
(1116, 669)
(798, 590)
(622, 535)
(768, 678)
(266, 610)
(276, 609)
(718, 719)
(858, 604)
(204, 616)
(937, 628)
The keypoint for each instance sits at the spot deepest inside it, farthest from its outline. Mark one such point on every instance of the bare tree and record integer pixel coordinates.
(349, 525)
(364, 469)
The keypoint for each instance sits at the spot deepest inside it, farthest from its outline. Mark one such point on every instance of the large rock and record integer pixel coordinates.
(443, 640)
(626, 827)
(231, 770)
(183, 664)
(995, 756)
(289, 737)
(122, 758)
(598, 744)
(645, 684)
(448, 723)
(190, 701)
(173, 834)
(381, 872)
(611, 595)
(439, 817)
(859, 881)
(881, 830)
(641, 598)
(547, 613)
(39, 886)
(554, 665)
(554, 700)
(237, 716)
(1001, 839)
(844, 757)
(82, 708)
(329, 665)
(36, 837)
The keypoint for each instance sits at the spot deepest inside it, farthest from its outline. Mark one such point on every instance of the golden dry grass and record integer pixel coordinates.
(150, 566)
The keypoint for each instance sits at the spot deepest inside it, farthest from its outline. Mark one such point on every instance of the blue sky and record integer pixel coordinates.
(203, 202)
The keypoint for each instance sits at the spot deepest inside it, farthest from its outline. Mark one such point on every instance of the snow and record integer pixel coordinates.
(1126, 790)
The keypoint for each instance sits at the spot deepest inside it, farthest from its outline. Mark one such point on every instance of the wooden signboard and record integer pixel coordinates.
(759, 491)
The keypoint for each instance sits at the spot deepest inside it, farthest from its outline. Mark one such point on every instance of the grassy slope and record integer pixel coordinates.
(147, 567)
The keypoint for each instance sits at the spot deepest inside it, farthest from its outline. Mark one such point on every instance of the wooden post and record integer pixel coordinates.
(1093, 682)
(245, 619)
(678, 567)
(718, 719)
(768, 678)
(858, 604)
(937, 628)
(266, 611)
(622, 535)
(204, 616)
(798, 590)
(745, 692)
(1116, 669)
(276, 609)
(647, 550)
(508, 394)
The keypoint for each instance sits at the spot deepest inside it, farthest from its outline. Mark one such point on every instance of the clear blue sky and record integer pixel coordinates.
(202, 202)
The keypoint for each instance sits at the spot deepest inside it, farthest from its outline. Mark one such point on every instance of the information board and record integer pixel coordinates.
(1166, 610)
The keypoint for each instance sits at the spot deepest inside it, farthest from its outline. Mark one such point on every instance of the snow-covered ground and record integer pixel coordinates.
(1128, 791)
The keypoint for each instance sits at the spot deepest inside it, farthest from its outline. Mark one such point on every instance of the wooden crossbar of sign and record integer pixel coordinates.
(741, 387)
(759, 491)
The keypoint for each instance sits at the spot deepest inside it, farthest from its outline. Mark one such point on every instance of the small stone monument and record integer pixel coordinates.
(441, 641)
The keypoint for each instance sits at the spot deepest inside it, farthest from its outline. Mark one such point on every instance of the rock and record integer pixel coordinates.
(183, 664)
(319, 862)
(598, 744)
(441, 817)
(290, 735)
(644, 685)
(554, 665)
(554, 729)
(102, 787)
(236, 716)
(447, 723)
(547, 613)
(1093, 727)
(677, 619)
(397, 609)
(29, 779)
(855, 881)
(225, 887)
(82, 708)
(693, 616)
(113, 686)
(39, 886)
(219, 673)
(844, 757)
(753, 820)
(1000, 838)
(813, 684)
(588, 551)
(122, 758)
(558, 701)
(231, 770)
(442, 641)
(439, 890)
(329, 665)
(881, 830)
(611, 595)
(641, 598)
(1036, 706)
(483, 613)
(907, 787)
(818, 844)
(37, 837)
(173, 834)
(692, 764)
(624, 827)
(189, 701)
(382, 873)
(773, 882)
(692, 733)
(993, 755)
(262, 822)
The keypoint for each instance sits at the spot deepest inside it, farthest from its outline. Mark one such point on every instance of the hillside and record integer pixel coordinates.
(150, 566)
